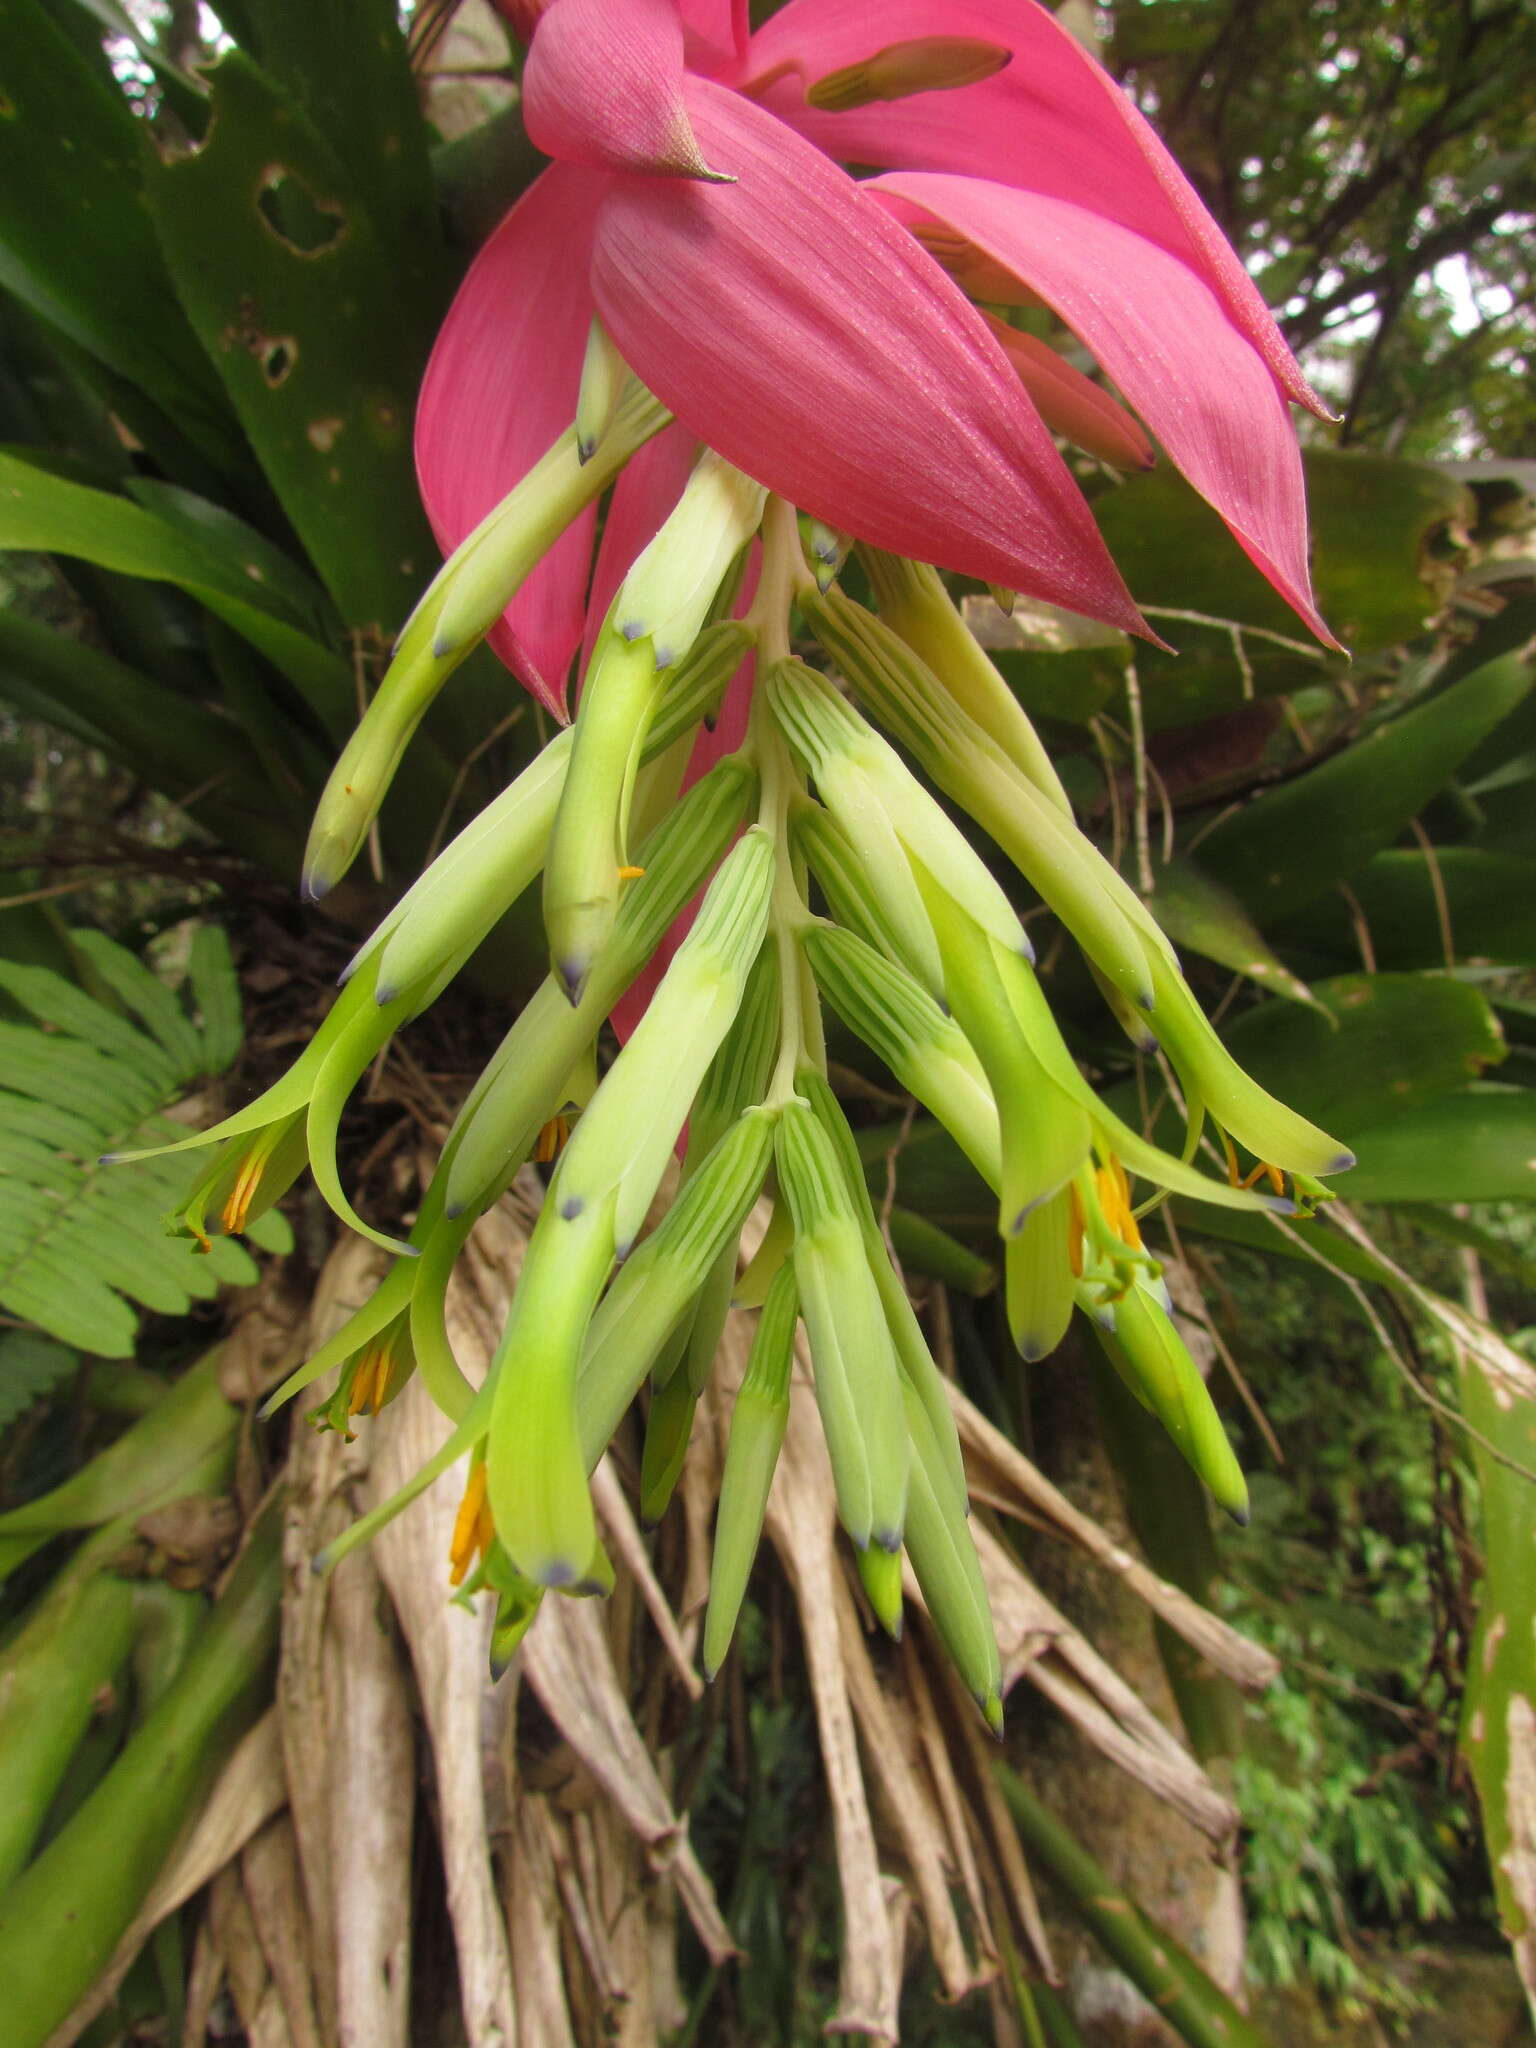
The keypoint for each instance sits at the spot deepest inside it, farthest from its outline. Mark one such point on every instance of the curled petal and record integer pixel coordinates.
(714, 33)
(499, 389)
(1071, 404)
(604, 86)
(1053, 121)
(848, 361)
(1165, 340)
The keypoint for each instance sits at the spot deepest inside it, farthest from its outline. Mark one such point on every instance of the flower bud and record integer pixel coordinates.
(466, 598)
(624, 1140)
(604, 374)
(915, 604)
(505, 1110)
(943, 1554)
(857, 1380)
(901, 1023)
(758, 1421)
(667, 595)
(1071, 404)
(1150, 1356)
(1045, 1132)
(868, 883)
(856, 771)
(1096, 905)
(658, 1285)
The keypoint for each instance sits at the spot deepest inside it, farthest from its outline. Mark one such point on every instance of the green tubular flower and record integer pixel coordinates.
(516, 1095)
(855, 906)
(668, 1426)
(943, 1554)
(1150, 1356)
(464, 601)
(658, 1286)
(657, 615)
(1045, 1131)
(604, 375)
(1102, 913)
(242, 1181)
(1275, 1134)
(880, 1576)
(913, 1358)
(758, 1421)
(597, 1201)
(915, 604)
(473, 882)
(737, 1078)
(536, 1476)
(314, 1088)
(857, 772)
(646, 1300)
(901, 1023)
(1039, 1281)
(857, 1377)
(626, 1136)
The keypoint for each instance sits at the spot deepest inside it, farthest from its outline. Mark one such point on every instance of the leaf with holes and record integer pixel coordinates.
(306, 316)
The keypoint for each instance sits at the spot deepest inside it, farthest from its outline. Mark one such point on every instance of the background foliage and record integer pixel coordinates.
(224, 250)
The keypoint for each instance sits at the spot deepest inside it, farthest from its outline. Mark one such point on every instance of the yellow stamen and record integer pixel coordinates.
(1234, 1171)
(237, 1205)
(551, 1139)
(628, 874)
(473, 1530)
(1075, 1233)
(383, 1373)
(361, 1390)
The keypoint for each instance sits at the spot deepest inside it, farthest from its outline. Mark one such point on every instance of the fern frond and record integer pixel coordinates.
(30, 1366)
(80, 1242)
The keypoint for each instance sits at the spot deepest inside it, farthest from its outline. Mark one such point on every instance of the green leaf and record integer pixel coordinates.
(1374, 519)
(1197, 912)
(30, 1366)
(317, 334)
(1376, 1047)
(147, 996)
(152, 729)
(1476, 1146)
(1292, 843)
(75, 243)
(1486, 898)
(76, 1237)
(1498, 1735)
(42, 511)
(216, 993)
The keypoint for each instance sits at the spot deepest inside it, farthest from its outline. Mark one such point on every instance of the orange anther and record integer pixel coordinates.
(551, 1139)
(630, 874)
(472, 1526)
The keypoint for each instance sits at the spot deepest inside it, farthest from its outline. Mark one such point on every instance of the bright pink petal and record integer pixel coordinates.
(1054, 121)
(649, 485)
(793, 326)
(715, 33)
(499, 389)
(1160, 333)
(603, 85)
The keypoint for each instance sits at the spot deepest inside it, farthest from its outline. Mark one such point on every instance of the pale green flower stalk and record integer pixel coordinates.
(831, 872)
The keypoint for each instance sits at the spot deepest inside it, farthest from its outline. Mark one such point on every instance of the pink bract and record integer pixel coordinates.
(790, 320)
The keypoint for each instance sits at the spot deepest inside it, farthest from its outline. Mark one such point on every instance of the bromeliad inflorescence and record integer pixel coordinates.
(779, 377)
